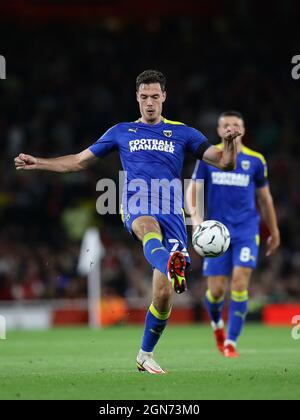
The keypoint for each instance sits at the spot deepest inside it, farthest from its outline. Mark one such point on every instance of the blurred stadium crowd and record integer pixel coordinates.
(66, 84)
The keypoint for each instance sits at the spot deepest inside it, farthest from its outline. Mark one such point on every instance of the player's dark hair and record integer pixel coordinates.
(233, 114)
(151, 76)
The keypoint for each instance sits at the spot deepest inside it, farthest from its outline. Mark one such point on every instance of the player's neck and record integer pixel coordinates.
(150, 122)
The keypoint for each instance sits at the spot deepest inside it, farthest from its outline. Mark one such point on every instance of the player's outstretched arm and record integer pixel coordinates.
(224, 159)
(64, 164)
(266, 205)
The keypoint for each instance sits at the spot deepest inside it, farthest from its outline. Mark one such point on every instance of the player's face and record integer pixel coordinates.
(231, 122)
(151, 98)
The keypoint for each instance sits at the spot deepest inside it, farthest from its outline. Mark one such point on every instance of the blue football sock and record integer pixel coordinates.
(155, 253)
(214, 307)
(155, 324)
(237, 314)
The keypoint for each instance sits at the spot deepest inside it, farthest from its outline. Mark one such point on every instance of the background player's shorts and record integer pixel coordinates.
(243, 252)
(173, 230)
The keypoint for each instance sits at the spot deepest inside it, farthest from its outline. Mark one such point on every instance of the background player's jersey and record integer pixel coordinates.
(148, 153)
(230, 196)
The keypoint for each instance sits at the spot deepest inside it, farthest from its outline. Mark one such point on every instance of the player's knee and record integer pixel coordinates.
(241, 279)
(145, 225)
(217, 292)
(239, 286)
(217, 287)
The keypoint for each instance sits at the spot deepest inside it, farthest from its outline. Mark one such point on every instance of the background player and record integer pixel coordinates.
(150, 148)
(231, 199)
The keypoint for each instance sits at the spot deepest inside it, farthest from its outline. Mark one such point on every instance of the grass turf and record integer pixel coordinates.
(85, 364)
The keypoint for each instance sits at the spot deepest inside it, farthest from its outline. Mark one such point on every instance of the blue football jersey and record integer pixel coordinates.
(149, 153)
(230, 196)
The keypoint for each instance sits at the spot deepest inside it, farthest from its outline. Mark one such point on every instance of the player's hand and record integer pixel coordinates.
(25, 162)
(273, 244)
(231, 134)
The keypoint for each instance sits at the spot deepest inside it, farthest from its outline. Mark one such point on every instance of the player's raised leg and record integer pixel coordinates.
(237, 309)
(214, 301)
(155, 323)
(147, 230)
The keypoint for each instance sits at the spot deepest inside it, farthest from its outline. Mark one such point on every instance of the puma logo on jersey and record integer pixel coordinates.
(133, 130)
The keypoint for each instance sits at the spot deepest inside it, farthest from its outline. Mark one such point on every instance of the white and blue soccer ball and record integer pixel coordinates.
(211, 239)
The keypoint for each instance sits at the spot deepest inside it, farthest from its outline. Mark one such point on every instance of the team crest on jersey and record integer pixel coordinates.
(168, 133)
(246, 164)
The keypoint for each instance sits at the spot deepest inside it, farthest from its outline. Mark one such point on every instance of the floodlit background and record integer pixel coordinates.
(70, 75)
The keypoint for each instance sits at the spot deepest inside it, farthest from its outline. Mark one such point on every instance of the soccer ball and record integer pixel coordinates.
(211, 239)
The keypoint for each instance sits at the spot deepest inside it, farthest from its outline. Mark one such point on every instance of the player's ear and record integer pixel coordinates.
(219, 131)
(137, 97)
(164, 96)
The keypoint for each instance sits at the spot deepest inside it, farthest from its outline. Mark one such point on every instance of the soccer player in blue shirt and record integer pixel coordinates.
(151, 148)
(231, 199)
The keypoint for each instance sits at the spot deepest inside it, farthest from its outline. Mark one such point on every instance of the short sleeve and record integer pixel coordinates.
(197, 143)
(106, 144)
(261, 173)
(199, 171)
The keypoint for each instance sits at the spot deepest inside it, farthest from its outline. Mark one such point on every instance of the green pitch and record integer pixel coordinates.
(85, 364)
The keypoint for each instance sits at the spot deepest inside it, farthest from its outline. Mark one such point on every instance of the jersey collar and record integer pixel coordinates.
(162, 121)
